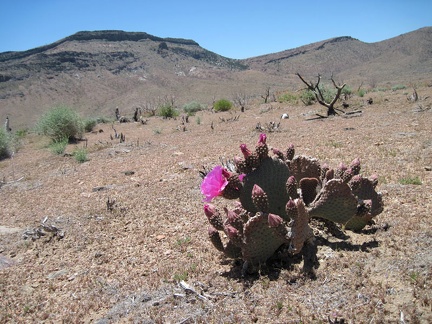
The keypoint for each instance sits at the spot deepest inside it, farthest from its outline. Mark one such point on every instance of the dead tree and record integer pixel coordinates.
(241, 99)
(331, 111)
(266, 95)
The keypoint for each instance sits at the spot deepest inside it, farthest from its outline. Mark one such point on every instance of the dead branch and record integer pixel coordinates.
(316, 90)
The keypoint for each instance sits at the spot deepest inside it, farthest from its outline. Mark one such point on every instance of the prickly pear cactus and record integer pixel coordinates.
(278, 195)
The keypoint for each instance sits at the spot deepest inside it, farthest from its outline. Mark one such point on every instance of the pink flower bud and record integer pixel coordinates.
(257, 191)
(262, 138)
(274, 220)
(209, 210)
(246, 152)
(212, 231)
(226, 173)
(231, 231)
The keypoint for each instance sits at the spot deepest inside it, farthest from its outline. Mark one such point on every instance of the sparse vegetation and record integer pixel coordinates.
(307, 97)
(59, 123)
(4, 144)
(398, 87)
(167, 111)
(89, 124)
(192, 108)
(80, 155)
(288, 97)
(133, 222)
(411, 180)
(222, 105)
(58, 147)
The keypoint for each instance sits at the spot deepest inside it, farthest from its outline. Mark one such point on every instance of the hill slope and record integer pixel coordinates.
(96, 72)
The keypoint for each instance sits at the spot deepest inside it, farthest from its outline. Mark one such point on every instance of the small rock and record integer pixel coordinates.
(428, 168)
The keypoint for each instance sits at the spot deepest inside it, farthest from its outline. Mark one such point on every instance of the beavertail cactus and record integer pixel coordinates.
(278, 195)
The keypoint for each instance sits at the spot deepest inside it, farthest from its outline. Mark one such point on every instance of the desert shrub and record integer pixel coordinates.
(59, 146)
(328, 93)
(192, 107)
(361, 93)
(21, 133)
(80, 155)
(398, 87)
(4, 144)
(89, 124)
(222, 105)
(288, 97)
(346, 91)
(410, 181)
(104, 120)
(307, 97)
(168, 111)
(59, 123)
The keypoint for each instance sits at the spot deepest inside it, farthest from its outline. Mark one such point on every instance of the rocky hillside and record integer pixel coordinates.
(101, 70)
(405, 58)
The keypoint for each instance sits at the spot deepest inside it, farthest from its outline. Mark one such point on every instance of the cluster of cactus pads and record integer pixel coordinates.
(278, 195)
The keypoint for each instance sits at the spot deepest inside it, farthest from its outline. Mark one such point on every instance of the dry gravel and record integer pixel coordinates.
(126, 265)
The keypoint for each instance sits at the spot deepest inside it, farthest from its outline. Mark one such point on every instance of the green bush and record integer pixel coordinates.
(168, 111)
(59, 123)
(347, 91)
(308, 97)
(58, 147)
(222, 105)
(192, 107)
(4, 144)
(80, 155)
(89, 124)
(398, 87)
(288, 97)
(361, 93)
(328, 93)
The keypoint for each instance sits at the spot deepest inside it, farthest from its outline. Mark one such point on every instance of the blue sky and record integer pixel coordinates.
(235, 29)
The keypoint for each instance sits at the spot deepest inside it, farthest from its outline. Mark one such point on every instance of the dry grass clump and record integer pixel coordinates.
(130, 260)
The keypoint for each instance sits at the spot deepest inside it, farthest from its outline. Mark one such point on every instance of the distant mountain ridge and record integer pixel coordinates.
(97, 71)
(106, 35)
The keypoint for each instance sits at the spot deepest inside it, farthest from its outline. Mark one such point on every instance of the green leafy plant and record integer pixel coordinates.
(288, 97)
(167, 111)
(222, 105)
(89, 124)
(410, 181)
(361, 93)
(398, 87)
(192, 107)
(4, 144)
(80, 155)
(347, 91)
(307, 97)
(58, 147)
(59, 123)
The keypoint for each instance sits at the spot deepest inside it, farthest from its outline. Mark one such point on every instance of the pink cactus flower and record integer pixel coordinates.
(241, 176)
(213, 184)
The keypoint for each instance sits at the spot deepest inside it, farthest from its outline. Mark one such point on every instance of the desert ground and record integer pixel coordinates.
(148, 259)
